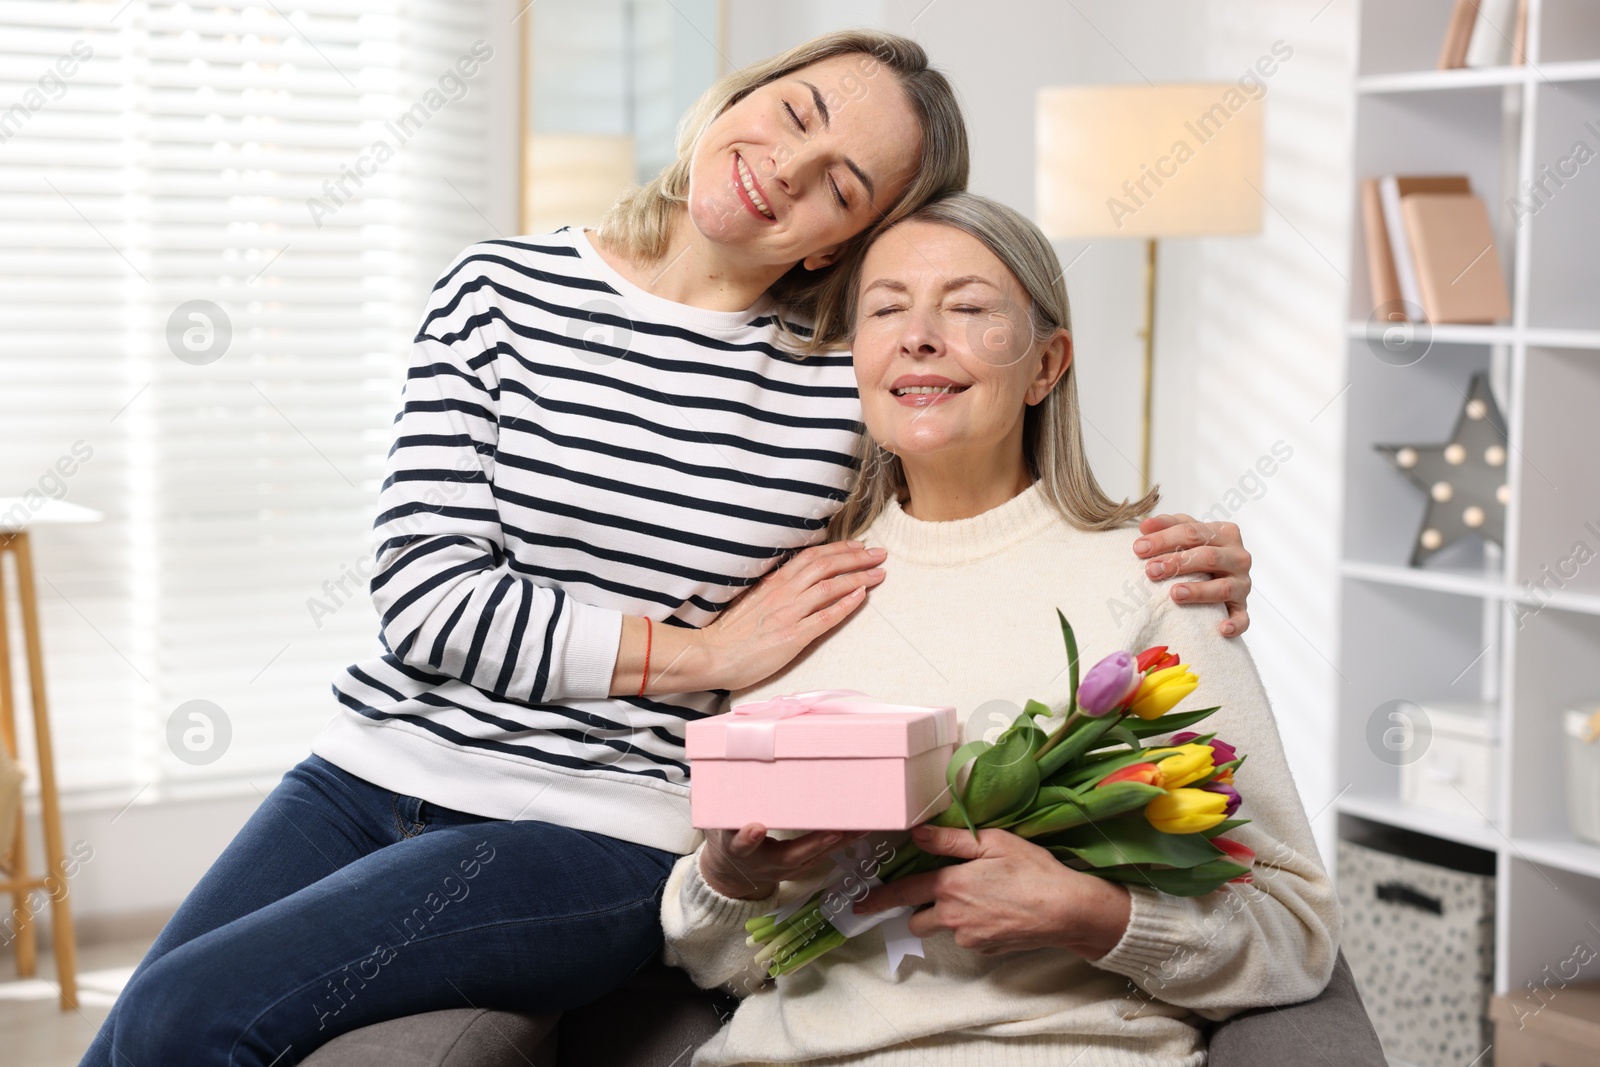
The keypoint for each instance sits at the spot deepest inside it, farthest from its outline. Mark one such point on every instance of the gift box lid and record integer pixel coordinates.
(824, 724)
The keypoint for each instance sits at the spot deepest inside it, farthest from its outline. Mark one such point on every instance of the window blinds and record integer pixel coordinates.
(218, 226)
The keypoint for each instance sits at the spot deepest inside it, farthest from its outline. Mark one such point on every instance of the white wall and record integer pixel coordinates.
(1249, 330)
(134, 864)
(148, 854)
(1261, 328)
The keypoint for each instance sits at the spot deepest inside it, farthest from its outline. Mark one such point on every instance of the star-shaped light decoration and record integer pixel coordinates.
(1465, 478)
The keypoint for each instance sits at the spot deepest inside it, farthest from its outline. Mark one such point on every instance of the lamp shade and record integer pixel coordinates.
(573, 178)
(1148, 160)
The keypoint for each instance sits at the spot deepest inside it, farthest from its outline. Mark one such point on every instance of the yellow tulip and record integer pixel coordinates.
(1188, 763)
(1161, 690)
(1186, 811)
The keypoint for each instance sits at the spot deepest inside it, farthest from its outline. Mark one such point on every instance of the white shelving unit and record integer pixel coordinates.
(1473, 623)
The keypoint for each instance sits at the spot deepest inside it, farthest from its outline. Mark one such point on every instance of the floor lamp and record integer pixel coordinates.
(571, 179)
(1148, 161)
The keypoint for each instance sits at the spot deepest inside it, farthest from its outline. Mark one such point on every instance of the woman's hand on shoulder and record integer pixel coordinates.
(1010, 896)
(1180, 544)
(746, 864)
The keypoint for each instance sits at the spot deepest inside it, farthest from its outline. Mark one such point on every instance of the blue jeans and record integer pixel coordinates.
(341, 904)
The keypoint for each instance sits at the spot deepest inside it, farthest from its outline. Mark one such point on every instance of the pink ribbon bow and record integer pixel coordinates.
(753, 731)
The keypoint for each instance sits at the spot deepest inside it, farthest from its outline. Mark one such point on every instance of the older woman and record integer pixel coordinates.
(977, 485)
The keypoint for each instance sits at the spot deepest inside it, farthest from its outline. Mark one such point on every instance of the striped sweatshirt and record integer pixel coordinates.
(571, 449)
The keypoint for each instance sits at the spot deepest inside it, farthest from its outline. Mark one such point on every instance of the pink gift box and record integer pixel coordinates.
(830, 759)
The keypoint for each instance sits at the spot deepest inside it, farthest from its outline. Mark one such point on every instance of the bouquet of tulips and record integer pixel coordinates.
(1091, 791)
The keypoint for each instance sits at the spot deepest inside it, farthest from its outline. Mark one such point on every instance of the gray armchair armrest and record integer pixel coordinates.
(667, 1016)
(1331, 1028)
(664, 1016)
(455, 1037)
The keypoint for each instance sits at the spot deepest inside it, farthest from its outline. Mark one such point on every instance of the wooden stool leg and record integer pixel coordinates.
(66, 945)
(24, 931)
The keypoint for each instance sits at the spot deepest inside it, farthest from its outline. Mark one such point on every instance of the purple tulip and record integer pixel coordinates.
(1107, 684)
(1221, 751)
(1228, 791)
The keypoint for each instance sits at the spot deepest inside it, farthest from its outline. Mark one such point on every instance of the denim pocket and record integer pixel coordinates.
(408, 817)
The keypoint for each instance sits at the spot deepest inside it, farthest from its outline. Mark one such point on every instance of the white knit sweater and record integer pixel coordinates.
(966, 616)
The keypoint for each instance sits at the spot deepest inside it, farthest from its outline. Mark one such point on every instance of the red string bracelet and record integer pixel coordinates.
(648, 633)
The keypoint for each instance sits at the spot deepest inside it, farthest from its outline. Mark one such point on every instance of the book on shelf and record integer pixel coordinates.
(1380, 261)
(1436, 256)
(1454, 258)
(1485, 33)
(1458, 34)
(1492, 31)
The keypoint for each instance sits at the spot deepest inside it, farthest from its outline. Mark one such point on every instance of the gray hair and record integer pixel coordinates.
(1052, 433)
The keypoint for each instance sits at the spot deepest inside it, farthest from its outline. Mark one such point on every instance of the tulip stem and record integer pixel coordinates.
(907, 854)
(825, 942)
(1056, 738)
(1062, 748)
(778, 944)
(785, 957)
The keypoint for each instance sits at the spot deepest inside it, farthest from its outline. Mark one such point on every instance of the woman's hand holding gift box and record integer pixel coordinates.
(746, 864)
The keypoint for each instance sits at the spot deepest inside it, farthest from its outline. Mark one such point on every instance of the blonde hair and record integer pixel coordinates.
(639, 224)
(1052, 435)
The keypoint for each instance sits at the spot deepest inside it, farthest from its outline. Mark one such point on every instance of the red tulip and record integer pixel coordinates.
(1243, 855)
(1147, 773)
(1155, 657)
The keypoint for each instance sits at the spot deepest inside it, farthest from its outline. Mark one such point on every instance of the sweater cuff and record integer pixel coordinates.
(704, 906)
(593, 636)
(1155, 943)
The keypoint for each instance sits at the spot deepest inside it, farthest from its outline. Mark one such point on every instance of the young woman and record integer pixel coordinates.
(992, 521)
(604, 439)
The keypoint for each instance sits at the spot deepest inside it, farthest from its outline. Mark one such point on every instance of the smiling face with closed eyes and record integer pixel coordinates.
(944, 349)
(803, 163)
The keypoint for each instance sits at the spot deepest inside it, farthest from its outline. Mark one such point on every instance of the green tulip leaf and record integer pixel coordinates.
(1121, 732)
(1071, 641)
(1024, 720)
(1068, 859)
(1054, 794)
(1207, 877)
(1083, 736)
(1004, 777)
(956, 813)
(1131, 839)
(954, 816)
(1042, 821)
(1224, 826)
(1046, 797)
(1091, 806)
(1171, 722)
(1187, 882)
(1118, 798)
